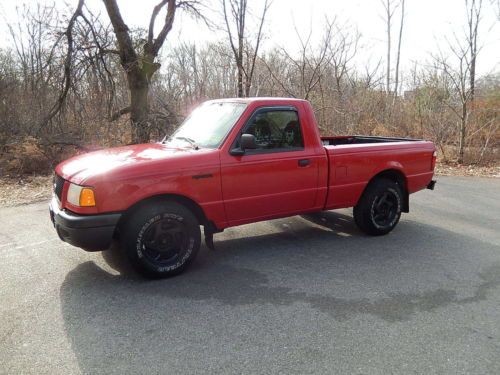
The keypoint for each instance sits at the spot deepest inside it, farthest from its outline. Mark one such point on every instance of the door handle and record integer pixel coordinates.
(304, 162)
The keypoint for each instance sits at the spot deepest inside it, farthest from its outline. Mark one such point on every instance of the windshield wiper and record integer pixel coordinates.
(190, 141)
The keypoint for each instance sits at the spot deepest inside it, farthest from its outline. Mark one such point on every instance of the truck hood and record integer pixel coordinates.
(128, 161)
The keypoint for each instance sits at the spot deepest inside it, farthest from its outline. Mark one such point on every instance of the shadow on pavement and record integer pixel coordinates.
(321, 261)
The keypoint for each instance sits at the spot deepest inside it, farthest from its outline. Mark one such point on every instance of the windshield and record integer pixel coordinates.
(207, 125)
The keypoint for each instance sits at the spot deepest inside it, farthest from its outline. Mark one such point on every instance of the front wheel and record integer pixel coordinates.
(161, 239)
(379, 209)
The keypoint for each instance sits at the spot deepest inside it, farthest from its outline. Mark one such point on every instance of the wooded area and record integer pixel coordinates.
(77, 81)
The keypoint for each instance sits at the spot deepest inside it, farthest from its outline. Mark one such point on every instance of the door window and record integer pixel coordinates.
(275, 130)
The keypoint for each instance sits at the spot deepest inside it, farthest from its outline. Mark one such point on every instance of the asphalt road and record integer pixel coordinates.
(294, 296)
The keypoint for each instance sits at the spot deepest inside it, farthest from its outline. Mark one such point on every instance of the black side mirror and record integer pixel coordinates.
(247, 142)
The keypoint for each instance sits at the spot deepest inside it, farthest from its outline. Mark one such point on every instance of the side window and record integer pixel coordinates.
(276, 130)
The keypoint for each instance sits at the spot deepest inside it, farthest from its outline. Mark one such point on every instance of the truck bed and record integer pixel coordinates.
(352, 158)
(362, 139)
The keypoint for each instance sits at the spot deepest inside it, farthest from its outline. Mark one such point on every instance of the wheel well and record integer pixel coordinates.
(399, 178)
(189, 203)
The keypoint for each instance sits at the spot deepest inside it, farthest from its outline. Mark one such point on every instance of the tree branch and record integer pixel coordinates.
(67, 67)
(128, 56)
(156, 10)
(119, 113)
(169, 21)
(267, 4)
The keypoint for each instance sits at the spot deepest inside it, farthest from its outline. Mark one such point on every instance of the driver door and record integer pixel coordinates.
(278, 178)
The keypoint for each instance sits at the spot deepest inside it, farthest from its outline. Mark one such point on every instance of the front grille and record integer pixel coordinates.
(58, 186)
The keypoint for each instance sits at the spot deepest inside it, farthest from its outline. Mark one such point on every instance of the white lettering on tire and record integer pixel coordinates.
(146, 225)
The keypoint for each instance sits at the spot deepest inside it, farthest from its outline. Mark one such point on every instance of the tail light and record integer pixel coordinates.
(433, 163)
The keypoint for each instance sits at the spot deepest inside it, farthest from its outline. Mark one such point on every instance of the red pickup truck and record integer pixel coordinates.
(231, 162)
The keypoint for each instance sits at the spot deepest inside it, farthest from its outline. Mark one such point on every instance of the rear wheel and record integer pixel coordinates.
(379, 209)
(161, 239)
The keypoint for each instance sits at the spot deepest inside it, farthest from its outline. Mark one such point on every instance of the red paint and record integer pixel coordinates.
(248, 188)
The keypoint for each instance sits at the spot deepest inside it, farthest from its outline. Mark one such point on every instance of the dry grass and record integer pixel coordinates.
(453, 169)
(24, 190)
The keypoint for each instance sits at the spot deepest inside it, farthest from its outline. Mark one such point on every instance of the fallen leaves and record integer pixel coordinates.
(453, 169)
(16, 191)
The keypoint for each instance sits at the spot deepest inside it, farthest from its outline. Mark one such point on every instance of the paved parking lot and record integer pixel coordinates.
(298, 295)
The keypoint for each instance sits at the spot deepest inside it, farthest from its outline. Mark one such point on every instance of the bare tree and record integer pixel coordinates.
(461, 72)
(68, 33)
(398, 53)
(389, 9)
(141, 64)
(430, 101)
(473, 19)
(245, 54)
(299, 75)
(137, 58)
(458, 90)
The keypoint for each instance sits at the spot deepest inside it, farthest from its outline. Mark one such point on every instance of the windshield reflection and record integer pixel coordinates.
(207, 126)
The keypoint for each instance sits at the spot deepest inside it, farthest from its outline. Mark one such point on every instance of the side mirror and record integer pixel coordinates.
(247, 142)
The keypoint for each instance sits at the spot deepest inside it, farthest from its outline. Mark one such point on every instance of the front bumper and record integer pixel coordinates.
(89, 232)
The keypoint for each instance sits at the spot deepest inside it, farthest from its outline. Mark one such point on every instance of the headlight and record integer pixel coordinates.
(81, 196)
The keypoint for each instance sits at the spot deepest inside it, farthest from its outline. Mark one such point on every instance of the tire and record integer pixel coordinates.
(379, 209)
(161, 239)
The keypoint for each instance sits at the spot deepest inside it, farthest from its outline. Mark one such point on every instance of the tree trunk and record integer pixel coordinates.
(247, 88)
(473, 30)
(388, 73)
(140, 67)
(241, 93)
(463, 128)
(139, 108)
(244, 57)
(398, 56)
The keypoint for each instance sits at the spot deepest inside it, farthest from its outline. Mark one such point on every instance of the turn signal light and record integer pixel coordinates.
(87, 198)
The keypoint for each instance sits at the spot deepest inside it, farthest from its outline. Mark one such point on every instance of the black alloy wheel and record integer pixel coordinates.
(161, 238)
(379, 208)
(385, 209)
(164, 241)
